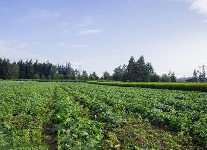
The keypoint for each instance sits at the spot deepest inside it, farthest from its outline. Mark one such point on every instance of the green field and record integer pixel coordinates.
(50, 115)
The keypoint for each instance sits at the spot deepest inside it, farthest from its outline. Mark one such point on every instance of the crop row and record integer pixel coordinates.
(75, 129)
(141, 102)
(37, 115)
(113, 116)
(24, 109)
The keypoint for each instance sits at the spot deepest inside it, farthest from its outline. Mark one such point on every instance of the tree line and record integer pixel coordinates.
(30, 69)
(138, 71)
(199, 75)
(135, 71)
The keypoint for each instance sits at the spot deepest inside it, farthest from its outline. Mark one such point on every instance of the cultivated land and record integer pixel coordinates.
(75, 116)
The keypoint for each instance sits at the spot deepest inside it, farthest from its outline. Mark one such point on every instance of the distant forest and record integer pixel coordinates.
(134, 71)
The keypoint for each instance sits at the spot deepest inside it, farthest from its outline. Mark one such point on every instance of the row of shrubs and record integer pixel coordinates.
(158, 85)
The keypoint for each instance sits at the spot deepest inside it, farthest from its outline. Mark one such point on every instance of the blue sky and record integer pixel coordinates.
(99, 35)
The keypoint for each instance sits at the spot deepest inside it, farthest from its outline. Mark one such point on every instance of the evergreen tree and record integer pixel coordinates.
(61, 76)
(29, 70)
(118, 74)
(195, 77)
(1, 68)
(85, 75)
(21, 65)
(172, 76)
(57, 76)
(106, 76)
(155, 78)
(6, 69)
(125, 73)
(36, 76)
(93, 76)
(142, 71)
(43, 77)
(203, 74)
(36, 69)
(14, 71)
(150, 68)
(131, 69)
(165, 78)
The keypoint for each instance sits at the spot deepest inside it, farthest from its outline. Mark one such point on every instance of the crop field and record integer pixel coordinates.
(50, 115)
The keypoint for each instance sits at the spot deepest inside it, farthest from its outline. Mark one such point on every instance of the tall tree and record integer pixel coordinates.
(14, 70)
(200, 74)
(93, 76)
(155, 78)
(165, 78)
(29, 74)
(118, 74)
(21, 65)
(142, 71)
(106, 76)
(131, 69)
(85, 75)
(195, 76)
(172, 76)
(203, 74)
(125, 73)
(150, 68)
(5, 69)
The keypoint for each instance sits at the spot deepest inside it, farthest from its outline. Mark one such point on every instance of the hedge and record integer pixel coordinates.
(158, 85)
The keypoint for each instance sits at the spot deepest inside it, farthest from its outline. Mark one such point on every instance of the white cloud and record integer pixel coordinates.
(85, 22)
(86, 32)
(199, 5)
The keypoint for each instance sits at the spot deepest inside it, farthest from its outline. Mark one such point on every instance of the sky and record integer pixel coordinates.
(100, 35)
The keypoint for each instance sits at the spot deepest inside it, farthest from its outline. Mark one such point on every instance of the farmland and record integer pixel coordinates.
(39, 115)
